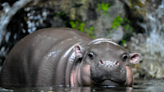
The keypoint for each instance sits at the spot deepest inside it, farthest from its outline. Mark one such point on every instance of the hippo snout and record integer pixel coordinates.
(113, 78)
(109, 73)
(108, 64)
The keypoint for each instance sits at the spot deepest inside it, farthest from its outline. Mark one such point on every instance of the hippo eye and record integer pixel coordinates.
(91, 55)
(124, 57)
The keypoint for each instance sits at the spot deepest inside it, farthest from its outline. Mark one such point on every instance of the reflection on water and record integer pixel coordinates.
(70, 89)
(139, 86)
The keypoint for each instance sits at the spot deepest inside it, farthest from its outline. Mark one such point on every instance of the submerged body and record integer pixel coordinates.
(65, 56)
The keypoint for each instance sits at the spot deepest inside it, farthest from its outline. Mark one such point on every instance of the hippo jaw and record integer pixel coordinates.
(108, 83)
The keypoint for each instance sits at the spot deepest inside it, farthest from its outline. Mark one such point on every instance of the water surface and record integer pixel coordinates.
(140, 85)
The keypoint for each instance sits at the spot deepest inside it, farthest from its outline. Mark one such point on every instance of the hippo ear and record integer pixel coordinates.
(135, 58)
(78, 51)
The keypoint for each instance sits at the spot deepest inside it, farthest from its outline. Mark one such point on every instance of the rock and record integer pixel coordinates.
(150, 41)
(117, 35)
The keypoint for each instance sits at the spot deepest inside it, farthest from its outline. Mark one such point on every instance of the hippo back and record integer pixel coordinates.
(39, 56)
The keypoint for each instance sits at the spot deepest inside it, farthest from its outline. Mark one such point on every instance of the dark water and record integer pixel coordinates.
(151, 85)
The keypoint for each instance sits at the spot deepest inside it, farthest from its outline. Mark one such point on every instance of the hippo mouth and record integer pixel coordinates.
(111, 83)
(108, 82)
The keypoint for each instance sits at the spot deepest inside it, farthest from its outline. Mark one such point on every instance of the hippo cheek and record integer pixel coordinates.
(85, 74)
(129, 78)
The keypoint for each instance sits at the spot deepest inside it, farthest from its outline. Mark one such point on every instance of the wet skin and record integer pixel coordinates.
(65, 56)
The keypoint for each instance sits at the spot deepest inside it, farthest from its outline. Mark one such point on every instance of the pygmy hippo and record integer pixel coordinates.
(68, 57)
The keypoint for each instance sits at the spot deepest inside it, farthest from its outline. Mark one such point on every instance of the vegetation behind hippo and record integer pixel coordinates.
(136, 25)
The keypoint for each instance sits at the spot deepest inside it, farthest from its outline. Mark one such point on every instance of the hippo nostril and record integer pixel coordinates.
(117, 63)
(100, 62)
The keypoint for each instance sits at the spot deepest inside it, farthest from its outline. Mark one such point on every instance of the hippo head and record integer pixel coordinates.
(106, 63)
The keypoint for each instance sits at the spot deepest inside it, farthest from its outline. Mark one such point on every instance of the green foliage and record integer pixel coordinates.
(91, 32)
(120, 21)
(81, 26)
(116, 22)
(123, 41)
(77, 25)
(125, 23)
(126, 20)
(129, 28)
(103, 7)
(73, 24)
(60, 13)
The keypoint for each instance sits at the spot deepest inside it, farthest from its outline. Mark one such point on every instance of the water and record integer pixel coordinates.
(140, 85)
